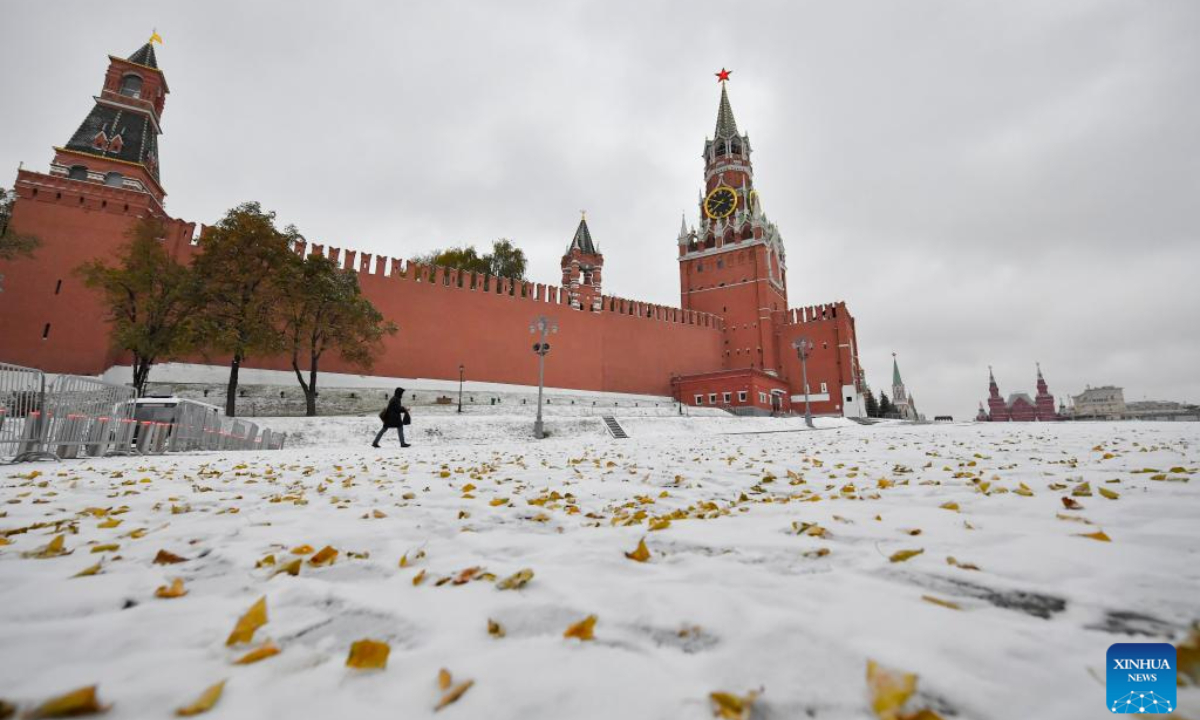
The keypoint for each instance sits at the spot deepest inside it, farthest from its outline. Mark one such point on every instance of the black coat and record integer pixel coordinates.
(393, 414)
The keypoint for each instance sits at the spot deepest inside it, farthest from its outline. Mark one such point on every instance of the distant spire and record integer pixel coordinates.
(683, 225)
(583, 237)
(991, 376)
(726, 125)
(895, 372)
(145, 55)
(1039, 369)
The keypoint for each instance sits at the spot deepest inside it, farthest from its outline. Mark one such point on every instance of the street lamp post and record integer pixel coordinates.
(460, 383)
(803, 347)
(541, 326)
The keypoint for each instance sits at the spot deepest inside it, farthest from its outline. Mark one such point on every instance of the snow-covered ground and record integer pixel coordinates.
(773, 574)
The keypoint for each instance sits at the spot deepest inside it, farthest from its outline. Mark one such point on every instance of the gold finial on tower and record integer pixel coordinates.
(155, 37)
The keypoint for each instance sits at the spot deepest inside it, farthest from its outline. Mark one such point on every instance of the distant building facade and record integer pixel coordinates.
(1099, 403)
(1019, 407)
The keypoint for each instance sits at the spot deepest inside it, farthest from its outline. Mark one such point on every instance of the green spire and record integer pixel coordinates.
(895, 372)
(726, 125)
(583, 238)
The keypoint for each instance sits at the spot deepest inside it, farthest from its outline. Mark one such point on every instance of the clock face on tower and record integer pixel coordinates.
(721, 202)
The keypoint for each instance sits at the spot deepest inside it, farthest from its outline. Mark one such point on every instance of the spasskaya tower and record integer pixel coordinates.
(733, 263)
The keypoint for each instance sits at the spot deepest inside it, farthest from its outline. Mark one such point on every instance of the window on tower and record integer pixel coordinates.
(131, 86)
(78, 172)
(735, 147)
(114, 179)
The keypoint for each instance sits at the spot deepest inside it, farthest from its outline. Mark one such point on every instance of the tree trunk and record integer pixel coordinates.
(231, 389)
(310, 393)
(141, 374)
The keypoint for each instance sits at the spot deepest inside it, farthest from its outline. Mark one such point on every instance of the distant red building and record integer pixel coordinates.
(1019, 407)
(728, 344)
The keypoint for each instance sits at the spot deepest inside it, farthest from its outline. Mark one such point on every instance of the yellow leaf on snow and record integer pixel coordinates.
(77, 702)
(495, 629)
(1110, 494)
(641, 554)
(267, 561)
(88, 571)
(1098, 535)
(419, 577)
(327, 556)
(733, 707)
(585, 629)
(110, 523)
(302, 549)
(516, 580)
(111, 547)
(262, 652)
(949, 506)
(367, 654)
(961, 565)
(454, 693)
(254, 618)
(54, 548)
(902, 555)
(292, 568)
(445, 680)
(174, 591)
(661, 524)
(204, 703)
(943, 603)
(889, 690)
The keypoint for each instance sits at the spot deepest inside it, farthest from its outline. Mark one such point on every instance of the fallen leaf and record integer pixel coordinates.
(516, 580)
(465, 576)
(583, 630)
(943, 603)
(1024, 490)
(961, 565)
(641, 554)
(902, 555)
(302, 550)
(174, 591)
(111, 547)
(204, 703)
(661, 524)
(949, 506)
(495, 629)
(377, 514)
(1083, 489)
(419, 577)
(1110, 494)
(1098, 535)
(733, 707)
(292, 568)
(1070, 504)
(327, 556)
(262, 652)
(445, 680)
(167, 558)
(254, 618)
(88, 571)
(109, 523)
(889, 690)
(454, 694)
(77, 702)
(267, 561)
(54, 548)
(368, 654)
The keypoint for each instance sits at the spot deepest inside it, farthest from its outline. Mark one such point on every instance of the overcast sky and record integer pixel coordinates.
(982, 182)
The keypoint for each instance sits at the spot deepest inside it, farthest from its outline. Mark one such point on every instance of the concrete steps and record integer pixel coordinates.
(614, 427)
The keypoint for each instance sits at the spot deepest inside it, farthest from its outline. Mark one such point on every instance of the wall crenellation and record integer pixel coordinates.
(456, 279)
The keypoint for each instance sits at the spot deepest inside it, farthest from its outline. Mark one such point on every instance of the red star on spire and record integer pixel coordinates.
(723, 75)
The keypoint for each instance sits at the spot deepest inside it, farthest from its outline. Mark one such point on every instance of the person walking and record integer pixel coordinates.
(395, 415)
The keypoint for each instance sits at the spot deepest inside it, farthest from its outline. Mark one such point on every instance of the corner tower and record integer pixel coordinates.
(581, 270)
(732, 263)
(117, 143)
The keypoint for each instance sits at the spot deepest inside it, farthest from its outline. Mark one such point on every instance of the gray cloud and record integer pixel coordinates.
(982, 182)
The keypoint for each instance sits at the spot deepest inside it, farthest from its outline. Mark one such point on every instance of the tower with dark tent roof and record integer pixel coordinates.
(117, 143)
(582, 266)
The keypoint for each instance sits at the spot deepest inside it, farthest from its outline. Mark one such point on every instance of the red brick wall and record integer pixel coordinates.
(628, 347)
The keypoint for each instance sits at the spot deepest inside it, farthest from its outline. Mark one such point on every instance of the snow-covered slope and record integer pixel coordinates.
(772, 575)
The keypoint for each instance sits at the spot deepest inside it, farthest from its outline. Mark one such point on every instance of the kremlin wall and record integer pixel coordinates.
(728, 344)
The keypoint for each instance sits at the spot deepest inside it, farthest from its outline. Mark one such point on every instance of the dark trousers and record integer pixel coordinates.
(382, 430)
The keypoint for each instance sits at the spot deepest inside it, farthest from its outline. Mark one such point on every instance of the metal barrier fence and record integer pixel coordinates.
(79, 416)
